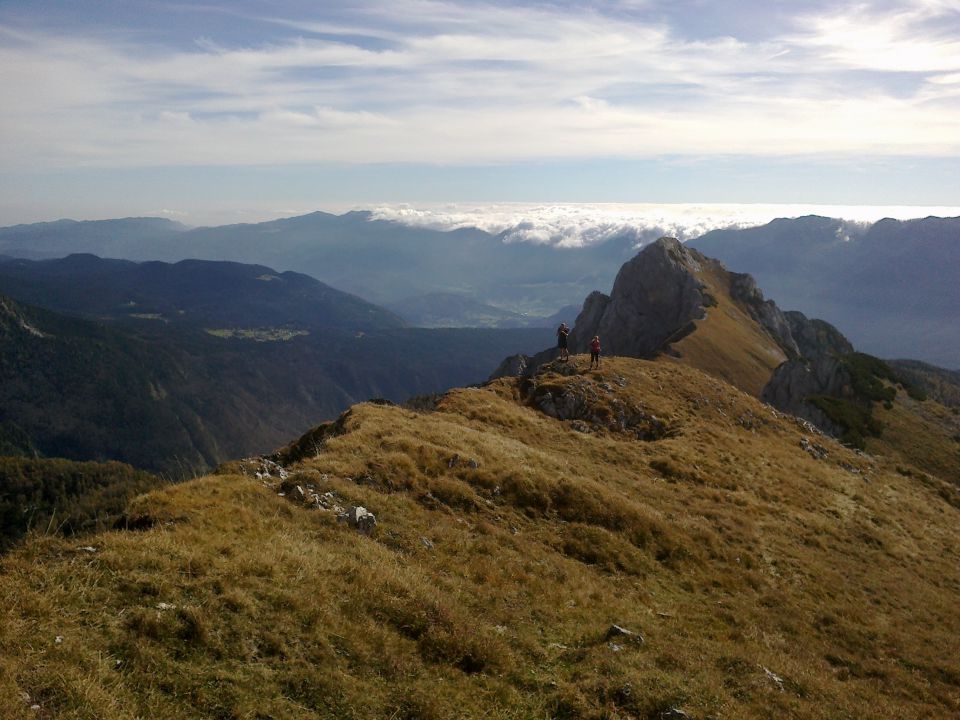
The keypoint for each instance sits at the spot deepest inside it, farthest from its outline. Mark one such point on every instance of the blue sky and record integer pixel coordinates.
(220, 112)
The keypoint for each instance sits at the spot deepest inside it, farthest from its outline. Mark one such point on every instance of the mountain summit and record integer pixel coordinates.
(672, 300)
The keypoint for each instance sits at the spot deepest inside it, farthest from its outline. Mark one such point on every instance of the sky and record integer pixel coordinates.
(217, 112)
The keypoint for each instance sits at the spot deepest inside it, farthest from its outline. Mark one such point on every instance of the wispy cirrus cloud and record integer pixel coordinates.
(451, 82)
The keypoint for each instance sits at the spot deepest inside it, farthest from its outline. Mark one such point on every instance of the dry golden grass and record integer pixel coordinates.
(921, 434)
(728, 343)
(730, 548)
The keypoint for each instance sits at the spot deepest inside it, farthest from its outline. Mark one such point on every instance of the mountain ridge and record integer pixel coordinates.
(215, 293)
(642, 540)
(519, 564)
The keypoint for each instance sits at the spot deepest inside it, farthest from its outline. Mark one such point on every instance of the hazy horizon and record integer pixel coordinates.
(573, 224)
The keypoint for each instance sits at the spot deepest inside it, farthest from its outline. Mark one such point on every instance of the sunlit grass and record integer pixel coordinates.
(488, 588)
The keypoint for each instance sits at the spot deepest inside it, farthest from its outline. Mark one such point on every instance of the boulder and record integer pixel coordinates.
(359, 518)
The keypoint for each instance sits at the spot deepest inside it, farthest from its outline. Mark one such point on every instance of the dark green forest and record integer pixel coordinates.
(64, 496)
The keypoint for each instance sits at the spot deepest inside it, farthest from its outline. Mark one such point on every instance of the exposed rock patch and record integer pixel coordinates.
(591, 405)
(743, 288)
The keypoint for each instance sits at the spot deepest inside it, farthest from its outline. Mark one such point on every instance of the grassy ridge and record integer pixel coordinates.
(765, 582)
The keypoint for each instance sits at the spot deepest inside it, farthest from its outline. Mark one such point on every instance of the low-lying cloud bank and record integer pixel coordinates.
(576, 225)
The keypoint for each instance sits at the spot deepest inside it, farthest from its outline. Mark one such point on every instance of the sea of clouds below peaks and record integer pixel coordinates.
(576, 225)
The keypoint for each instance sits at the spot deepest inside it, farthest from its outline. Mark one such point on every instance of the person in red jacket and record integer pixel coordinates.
(595, 352)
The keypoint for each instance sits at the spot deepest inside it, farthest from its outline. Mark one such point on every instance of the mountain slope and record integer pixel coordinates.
(206, 293)
(892, 286)
(379, 260)
(175, 399)
(765, 580)
(65, 496)
(672, 301)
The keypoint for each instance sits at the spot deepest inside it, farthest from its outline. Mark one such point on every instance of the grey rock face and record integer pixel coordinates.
(796, 380)
(654, 300)
(816, 338)
(512, 366)
(817, 371)
(744, 288)
(589, 319)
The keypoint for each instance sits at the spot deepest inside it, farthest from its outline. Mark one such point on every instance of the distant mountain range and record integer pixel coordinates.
(892, 286)
(198, 292)
(175, 368)
(379, 260)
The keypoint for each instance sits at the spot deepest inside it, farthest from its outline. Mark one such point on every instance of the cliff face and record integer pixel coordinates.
(655, 299)
(819, 370)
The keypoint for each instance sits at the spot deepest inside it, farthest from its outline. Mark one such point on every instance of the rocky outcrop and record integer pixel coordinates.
(512, 366)
(816, 338)
(655, 299)
(818, 370)
(743, 289)
(558, 390)
(797, 380)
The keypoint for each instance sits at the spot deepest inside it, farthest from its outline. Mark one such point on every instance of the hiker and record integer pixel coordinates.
(595, 351)
(562, 333)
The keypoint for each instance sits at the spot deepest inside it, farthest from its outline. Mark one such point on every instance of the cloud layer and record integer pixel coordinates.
(574, 225)
(471, 83)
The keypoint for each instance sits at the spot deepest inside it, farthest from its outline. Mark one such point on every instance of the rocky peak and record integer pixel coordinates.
(655, 299)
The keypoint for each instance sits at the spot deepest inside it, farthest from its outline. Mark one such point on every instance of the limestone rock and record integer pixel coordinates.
(655, 299)
(744, 288)
(816, 338)
(619, 632)
(359, 518)
(796, 380)
(512, 366)
(817, 451)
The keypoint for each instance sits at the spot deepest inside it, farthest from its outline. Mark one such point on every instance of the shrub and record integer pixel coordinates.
(857, 422)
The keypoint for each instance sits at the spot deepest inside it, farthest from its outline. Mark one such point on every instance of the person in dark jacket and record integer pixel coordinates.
(562, 333)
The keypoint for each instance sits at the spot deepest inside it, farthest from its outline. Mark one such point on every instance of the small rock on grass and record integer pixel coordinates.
(621, 633)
